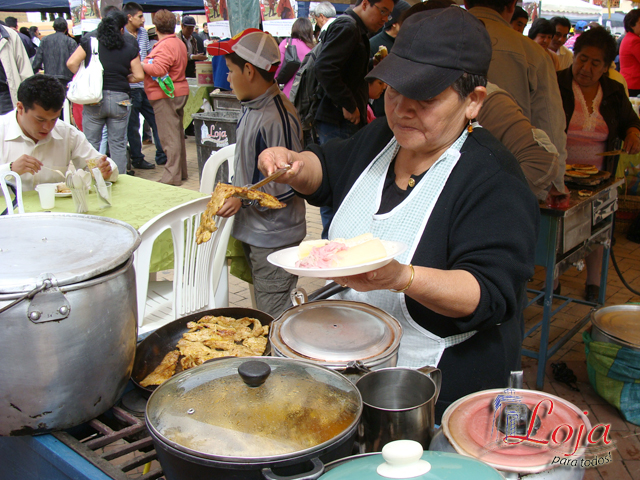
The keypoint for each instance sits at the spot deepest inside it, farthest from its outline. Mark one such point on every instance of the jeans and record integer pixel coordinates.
(140, 105)
(328, 131)
(112, 111)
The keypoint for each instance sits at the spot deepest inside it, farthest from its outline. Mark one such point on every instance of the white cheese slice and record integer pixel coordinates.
(366, 252)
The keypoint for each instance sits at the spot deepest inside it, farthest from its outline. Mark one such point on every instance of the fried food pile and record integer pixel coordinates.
(211, 337)
(218, 197)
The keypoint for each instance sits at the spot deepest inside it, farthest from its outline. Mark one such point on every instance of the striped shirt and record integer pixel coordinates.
(143, 45)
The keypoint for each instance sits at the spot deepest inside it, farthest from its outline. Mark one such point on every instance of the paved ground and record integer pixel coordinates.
(626, 456)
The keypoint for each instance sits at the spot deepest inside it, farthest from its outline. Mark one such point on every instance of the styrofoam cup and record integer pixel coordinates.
(47, 193)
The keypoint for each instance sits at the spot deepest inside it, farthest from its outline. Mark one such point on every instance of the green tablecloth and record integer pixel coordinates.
(135, 201)
(194, 102)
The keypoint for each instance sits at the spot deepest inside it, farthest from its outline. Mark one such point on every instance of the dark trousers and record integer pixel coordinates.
(140, 105)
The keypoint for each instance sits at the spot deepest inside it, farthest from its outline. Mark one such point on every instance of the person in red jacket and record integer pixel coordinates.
(168, 57)
(630, 52)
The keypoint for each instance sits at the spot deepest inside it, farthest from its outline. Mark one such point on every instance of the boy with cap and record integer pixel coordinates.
(268, 119)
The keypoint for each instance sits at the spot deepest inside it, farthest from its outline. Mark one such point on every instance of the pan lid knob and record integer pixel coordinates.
(254, 372)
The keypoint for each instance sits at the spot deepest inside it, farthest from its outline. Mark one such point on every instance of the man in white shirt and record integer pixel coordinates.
(562, 26)
(33, 143)
(324, 13)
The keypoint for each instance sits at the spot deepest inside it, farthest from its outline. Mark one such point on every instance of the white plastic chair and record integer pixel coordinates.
(213, 163)
(200, 271)
(7, 194)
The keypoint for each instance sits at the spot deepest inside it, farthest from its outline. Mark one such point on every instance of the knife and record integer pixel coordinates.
(270, 178)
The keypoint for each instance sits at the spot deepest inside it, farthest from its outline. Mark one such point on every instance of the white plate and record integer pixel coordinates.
(288, 257)
(63, 194)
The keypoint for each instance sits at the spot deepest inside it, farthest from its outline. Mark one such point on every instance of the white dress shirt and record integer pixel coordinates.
(64, 143)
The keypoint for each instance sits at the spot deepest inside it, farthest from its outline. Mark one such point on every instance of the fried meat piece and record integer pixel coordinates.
(218, 197)
(164, 371)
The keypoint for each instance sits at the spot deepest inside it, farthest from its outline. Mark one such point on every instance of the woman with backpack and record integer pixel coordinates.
(302, 39)
(120, 61)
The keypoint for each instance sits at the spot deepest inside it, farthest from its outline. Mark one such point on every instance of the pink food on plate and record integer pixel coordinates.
(322, 257)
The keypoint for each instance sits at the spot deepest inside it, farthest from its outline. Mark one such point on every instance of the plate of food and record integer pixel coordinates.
(62, 190)
(337, 258)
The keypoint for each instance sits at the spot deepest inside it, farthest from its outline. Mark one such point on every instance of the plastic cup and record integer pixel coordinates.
(103, 203)
(47, 193)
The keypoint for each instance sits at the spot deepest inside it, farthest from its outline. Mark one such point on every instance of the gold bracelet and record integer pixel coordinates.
(406, 287)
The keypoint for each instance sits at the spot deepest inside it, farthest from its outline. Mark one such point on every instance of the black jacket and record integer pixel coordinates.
(615, 108)
(341, 67)
(54, 51)
(485, 222)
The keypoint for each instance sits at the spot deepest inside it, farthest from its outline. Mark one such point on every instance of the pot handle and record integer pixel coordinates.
(434, 374)
(314, 474)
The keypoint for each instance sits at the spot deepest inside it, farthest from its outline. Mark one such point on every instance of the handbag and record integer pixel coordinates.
(86, 86)
(291, 64)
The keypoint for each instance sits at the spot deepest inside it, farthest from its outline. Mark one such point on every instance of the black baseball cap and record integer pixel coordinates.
(188, 21)
(432, 50)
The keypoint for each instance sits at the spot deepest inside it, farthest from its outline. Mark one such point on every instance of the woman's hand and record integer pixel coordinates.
(305, 174)
(230, 207)
(393, 276)
(632, 141)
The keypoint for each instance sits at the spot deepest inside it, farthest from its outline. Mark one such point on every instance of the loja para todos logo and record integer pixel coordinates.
(572, 443)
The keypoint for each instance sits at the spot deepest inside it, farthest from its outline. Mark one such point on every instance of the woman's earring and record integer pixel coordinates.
(470, 127)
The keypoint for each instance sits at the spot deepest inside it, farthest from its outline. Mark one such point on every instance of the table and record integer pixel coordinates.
(134, 201)
(566, 237)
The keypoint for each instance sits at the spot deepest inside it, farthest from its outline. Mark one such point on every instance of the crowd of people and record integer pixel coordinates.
(433, 125)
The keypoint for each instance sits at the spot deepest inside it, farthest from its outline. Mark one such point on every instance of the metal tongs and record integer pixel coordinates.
(270, 178)
(262, 183)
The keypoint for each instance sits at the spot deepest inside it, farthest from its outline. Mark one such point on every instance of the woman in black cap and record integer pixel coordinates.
(429, 177)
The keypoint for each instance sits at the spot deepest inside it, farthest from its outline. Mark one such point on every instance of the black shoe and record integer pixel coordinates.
(592, 293)
(131, 172)
(556, 291)
(161, 162)
(143, 165)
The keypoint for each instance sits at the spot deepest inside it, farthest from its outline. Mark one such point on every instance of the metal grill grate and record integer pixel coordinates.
(118, 444)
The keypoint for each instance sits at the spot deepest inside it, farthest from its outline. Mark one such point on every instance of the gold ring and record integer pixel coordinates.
(343, 285)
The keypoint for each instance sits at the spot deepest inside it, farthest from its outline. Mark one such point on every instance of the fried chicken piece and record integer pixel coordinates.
(219, 196)
(164, 371)
(256, 345)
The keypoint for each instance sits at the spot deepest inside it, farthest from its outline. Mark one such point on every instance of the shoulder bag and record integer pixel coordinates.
(291, 64)
(86, 86)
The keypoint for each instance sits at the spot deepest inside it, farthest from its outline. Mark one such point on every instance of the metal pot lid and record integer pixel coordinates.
(621, 322)
(336, 331)
(213, 411)
(69, 247)
(426, 466)
(471, 424)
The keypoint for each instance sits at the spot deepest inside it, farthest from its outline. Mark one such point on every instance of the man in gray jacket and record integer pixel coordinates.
(54, 51)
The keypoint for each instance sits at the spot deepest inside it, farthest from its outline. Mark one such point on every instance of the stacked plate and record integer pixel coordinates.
(619, 324)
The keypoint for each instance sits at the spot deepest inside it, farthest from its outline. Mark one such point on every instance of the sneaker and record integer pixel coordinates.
(592, 292)
(143, 165)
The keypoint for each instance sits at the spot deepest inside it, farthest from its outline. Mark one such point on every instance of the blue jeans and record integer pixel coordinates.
(112, 111)
(140, 105)
(328, 131)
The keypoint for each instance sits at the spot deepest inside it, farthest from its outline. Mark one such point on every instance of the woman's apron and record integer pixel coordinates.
(406, 224)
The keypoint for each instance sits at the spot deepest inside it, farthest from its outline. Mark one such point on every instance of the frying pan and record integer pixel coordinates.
(151, 351)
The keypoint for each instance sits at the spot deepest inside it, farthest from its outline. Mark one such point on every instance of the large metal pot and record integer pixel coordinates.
(352, 338)
(252, 418)
(68, 317)
(476, 426)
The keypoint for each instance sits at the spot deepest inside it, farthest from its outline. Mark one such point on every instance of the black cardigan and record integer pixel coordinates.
(485, 222)
(615, 108)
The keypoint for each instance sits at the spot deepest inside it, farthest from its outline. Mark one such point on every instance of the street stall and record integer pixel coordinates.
(567, 236)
